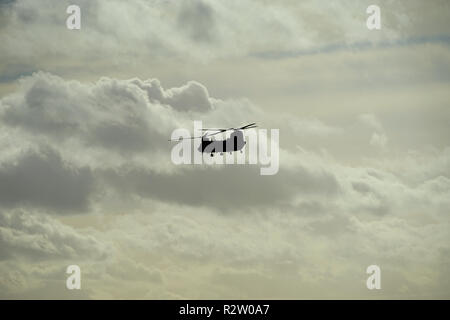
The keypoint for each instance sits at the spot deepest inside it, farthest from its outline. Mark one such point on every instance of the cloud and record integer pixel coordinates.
(192, 96)
(39, 237)
(282, 252)
(224, 188)
(196, 18)
(202, 30)
(43, 179)
(110, 137)
(160, 230)
(378, 140)
(112, 113)
(122, 127)
(364, 158)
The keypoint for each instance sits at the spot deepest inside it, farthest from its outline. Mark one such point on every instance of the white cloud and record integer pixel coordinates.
(196, 232)
(36, 237)
(205, 29)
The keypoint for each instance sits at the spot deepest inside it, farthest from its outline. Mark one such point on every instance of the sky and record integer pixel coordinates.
(86, 176)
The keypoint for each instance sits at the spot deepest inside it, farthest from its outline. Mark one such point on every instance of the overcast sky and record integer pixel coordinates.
(86, 176)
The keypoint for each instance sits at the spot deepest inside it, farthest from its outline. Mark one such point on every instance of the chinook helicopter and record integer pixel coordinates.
(235, 142)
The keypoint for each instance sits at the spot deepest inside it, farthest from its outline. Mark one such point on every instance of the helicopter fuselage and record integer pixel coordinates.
(234, 143)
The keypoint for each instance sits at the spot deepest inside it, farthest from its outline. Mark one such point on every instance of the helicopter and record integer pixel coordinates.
(235, 142)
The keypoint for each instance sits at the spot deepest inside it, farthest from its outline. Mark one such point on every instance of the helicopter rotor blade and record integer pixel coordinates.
(248, 126)
(181, 138)
(218, 131)
(222, 131)
(214, 129)
(213, 134)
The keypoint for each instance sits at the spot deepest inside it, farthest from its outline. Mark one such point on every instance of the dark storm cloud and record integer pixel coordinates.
(228, 187)
(43, 179)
